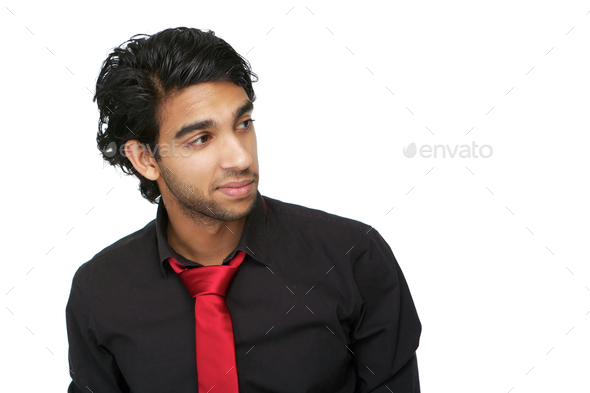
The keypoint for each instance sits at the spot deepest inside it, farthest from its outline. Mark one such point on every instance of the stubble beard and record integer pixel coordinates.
(194, 205)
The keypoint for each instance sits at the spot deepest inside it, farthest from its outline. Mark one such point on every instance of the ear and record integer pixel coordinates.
(141, 158)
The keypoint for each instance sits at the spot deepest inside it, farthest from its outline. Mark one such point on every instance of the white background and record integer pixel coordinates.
(494, 249)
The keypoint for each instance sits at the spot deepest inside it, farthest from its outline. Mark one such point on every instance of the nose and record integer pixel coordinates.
(234, 154)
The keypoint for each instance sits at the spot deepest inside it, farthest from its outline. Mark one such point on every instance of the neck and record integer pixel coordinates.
(207, 243)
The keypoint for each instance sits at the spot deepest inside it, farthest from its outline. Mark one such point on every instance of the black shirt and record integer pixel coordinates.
(319, 304)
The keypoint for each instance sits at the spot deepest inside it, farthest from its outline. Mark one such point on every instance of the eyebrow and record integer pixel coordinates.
(210, 123)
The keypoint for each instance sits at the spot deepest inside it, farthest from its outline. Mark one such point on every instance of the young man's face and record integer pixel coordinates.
(211, 155)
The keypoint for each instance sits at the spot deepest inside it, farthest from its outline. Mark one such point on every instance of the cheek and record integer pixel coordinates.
(197, 170)
(253, 145)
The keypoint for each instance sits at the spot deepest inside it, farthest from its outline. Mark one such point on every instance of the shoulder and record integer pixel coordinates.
(299, 213)
(312, 230)
(108, 260)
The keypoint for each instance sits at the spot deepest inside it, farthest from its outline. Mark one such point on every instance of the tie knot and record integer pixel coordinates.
(208, 280)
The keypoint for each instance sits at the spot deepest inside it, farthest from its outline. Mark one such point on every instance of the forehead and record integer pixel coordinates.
(206, 100)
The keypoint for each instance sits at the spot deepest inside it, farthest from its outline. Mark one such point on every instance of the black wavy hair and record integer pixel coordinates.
(138, 75)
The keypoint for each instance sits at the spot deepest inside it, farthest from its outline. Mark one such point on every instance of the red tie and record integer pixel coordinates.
(216, 357)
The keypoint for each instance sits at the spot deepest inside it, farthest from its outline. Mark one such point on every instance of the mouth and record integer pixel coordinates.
(236, 184)
(236, 189)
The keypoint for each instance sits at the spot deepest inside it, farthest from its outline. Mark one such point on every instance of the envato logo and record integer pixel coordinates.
(165, 149)
(462, 151)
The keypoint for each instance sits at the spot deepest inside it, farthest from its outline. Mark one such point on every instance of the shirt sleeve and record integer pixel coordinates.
(385, 337)
(92, 367)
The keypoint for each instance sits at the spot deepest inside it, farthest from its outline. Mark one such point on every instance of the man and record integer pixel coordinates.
(314, 302)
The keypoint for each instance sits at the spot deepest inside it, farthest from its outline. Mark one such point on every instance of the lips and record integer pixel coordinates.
(236, 184)
(237, 192)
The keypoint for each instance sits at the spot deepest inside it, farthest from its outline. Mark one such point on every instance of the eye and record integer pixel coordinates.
(249, 121)
(200, 138)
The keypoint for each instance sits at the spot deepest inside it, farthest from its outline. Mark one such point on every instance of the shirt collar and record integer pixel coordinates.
(253, 240)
